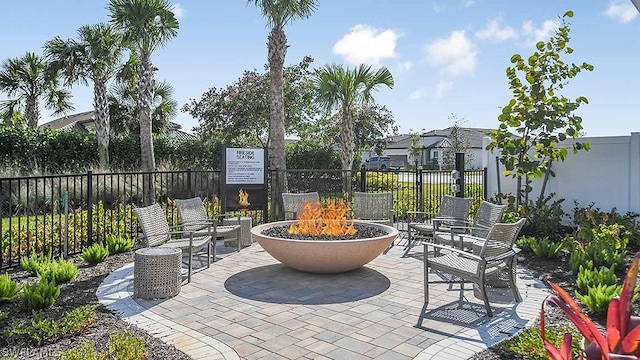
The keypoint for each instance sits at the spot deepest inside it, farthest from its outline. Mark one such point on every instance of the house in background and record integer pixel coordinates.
(434, 143)
(85, 122)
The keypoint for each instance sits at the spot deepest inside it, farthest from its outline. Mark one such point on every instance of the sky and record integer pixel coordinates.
(447, 57)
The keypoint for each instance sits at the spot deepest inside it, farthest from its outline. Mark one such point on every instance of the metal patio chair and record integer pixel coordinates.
(454, 211)
(157, 232)
(193, 217)
(464, 236)
(293, 203)
(496, 254)
(373, 207)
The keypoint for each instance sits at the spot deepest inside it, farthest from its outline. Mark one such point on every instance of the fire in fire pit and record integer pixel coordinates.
(243, 199)
(318, 220)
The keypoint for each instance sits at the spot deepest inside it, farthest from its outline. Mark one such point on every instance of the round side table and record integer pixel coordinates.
(157, 272)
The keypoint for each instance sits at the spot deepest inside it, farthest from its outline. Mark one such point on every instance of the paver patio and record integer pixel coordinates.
(249, 306)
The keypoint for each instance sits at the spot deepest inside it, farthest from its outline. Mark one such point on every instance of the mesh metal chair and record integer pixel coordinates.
(156, 232)
(373, 207)
(497, 254)
(293, 203)
(193, 217)
(486, 216)
(454, 211)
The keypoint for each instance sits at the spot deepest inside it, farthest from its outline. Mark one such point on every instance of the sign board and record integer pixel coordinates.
(244, 179)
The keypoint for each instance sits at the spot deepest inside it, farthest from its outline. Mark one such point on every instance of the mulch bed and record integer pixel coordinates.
(81, 291)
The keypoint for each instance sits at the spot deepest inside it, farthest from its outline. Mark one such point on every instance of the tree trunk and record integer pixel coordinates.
(277, 46)
(103, 129)
(544, 183)
(32, 112)
(347, 147)
(145, 103)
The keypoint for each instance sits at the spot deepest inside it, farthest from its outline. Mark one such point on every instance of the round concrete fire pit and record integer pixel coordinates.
(324, 256)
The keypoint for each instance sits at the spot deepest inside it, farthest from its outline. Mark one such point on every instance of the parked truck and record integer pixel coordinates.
(383, 163)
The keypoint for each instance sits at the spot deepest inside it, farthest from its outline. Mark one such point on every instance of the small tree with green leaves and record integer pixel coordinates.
(459, 143)
(415, 148)
(538, 114)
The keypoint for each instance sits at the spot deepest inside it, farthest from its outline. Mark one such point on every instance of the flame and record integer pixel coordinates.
(243, 198)
(318, 220)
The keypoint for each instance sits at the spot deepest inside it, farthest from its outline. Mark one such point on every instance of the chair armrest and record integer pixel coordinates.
(502, 256)
(452, 249)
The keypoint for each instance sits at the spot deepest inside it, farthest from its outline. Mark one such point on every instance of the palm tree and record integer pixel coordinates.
(343, 89)
(278, 13)
(28, 79)
(146, 25)
(123, 100)
(95, 56)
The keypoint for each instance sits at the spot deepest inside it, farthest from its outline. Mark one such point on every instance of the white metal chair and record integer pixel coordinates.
(193, 217)
(454, 211)
(486, 216)
(293, 203)
(497, 254)
(373, 207)
(156, 232)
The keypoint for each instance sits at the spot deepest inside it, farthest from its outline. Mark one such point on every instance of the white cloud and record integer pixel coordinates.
(467, 3)
(418, 94)
(403, 66)
(543, 33)
(493, 31)
(456, 54)
(178, 10)
(622, 12)
(442, 87)
(365, 44)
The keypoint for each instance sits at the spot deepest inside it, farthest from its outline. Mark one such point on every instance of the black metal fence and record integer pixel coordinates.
(63, 214)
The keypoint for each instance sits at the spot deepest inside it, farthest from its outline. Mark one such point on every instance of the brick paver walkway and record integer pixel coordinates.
(249, 306)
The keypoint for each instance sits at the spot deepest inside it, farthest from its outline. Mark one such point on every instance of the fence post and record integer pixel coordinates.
(66, 224)
(189, 187)
(90, 207)
(419, 189)
(460, 169)
(485, 179)
(363, 179)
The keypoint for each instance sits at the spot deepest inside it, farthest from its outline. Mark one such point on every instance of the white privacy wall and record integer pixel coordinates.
(607, 175)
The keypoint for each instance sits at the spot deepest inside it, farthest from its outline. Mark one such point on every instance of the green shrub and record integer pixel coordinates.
(40, 295)
(118, 244)
(60, 272)
(78, 319)
(579, 259)
(592, 277)
(40, 329)
(125, 346)
(9, 289)
(94, 254)
(546, 248)
(524, 243)
(529, 344)
(86, 351)
(122, 346)
(3, 314)
(598, 297)
(35, 263)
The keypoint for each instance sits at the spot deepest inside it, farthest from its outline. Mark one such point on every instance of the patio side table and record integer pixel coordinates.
(157, 272)
(245, 228)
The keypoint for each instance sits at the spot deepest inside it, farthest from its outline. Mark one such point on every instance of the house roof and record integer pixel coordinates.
(438, 138)
(81, 122)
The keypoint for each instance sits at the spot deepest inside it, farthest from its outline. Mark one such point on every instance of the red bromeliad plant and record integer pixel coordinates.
(622, 340)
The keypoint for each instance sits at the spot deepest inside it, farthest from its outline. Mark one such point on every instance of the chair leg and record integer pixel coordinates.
(214, 242)
(485, 298)
(426, 276)
(209, 255)
(512, 283)
(190, 265)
